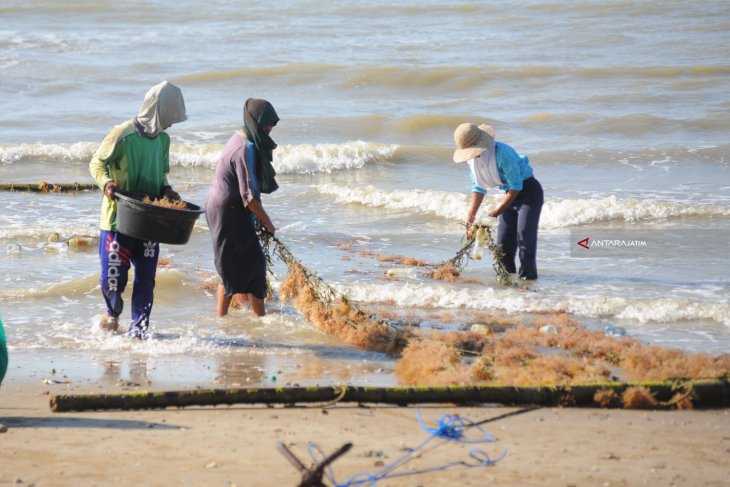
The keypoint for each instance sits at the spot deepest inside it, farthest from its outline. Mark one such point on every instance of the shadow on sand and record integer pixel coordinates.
(65, 422)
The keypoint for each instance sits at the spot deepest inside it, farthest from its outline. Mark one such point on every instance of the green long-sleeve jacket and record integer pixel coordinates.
(135, 162)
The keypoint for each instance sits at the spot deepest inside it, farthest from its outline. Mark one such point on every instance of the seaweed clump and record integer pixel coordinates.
(331, 312)
(550, 349)
(166, 203)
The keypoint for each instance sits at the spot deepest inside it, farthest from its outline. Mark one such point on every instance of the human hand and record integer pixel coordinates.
(109, 189)
(269, 227)
(495, 213)
(469, 223)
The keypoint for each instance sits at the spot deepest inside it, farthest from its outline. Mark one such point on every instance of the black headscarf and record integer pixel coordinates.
(258, 114)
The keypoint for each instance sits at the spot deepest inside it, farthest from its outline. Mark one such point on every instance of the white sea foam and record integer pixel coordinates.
(80, 151)
(444, 204)
(288, 159)
(165, 279)
(664, 310)
(86, 336)
(561, 212)
(296, 159)
(13, 231)
(557, 212)
(308, 159)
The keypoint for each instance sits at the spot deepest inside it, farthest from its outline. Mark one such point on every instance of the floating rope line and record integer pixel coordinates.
(450, 428)
(272, 246)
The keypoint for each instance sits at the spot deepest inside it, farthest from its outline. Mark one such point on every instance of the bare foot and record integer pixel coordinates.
(108, 323)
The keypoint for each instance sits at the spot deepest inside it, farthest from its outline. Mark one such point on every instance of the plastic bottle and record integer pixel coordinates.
(614, 331)
(482, 328)
(548, 330)
(13, 249)
(82, 241)
(480, 238)
(56, 247)
(402, 272)
(477, 253)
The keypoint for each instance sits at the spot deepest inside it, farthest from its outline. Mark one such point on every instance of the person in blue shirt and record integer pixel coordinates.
(496, 164)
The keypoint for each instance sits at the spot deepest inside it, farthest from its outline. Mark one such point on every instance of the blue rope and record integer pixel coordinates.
(450, 428)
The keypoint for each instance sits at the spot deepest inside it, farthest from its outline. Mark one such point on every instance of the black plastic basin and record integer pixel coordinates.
(153, 222)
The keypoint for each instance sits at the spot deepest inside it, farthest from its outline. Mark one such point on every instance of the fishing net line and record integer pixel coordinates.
(479, 238)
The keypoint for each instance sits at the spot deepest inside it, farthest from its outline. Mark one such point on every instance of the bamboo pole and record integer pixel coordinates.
(46, 187)
(704, 393)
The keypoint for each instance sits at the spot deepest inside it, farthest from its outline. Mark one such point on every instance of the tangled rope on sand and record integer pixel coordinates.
(450, 429)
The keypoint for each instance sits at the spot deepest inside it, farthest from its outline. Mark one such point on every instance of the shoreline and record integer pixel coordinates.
(237, 445)
(89, 371)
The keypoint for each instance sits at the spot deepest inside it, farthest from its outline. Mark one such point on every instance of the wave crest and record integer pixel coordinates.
(10, 153)
(556, 213)
(308, 159)
(664, 310)
(288, 159)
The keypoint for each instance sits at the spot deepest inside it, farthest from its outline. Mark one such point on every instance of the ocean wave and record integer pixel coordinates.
(42, 231)
(165, 278)
(431, 10)
(663, 310)
(416, 124)
(633, 124)
(10, 153)
(326, 157)
(646, 156)
(556, 213)
(593, 156)
(472, 77)
(87, 336)
(288, 159)
(295, 159)
(73, 287)
(440, 203)
(306, 158)
(30, 41)
(460, 78)
(295, 73)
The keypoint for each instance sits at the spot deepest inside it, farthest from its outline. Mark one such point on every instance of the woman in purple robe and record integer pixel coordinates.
(234, 208)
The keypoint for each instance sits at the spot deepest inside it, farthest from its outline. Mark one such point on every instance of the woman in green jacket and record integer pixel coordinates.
(134, 157)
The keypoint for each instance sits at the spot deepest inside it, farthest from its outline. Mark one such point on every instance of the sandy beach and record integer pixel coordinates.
(237, 445)
(621, 111)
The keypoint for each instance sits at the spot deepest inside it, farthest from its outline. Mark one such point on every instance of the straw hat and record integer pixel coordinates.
(471, 140)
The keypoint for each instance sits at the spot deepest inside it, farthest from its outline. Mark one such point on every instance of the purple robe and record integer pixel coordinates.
(239, 258)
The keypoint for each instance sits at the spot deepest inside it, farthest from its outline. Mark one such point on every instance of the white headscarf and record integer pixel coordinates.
(163, 106)
(484, 168)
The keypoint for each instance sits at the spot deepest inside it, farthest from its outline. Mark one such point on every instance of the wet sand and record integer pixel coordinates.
(237, 445)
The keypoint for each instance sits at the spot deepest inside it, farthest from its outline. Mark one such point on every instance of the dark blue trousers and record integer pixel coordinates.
(117, 252)
(517, 231)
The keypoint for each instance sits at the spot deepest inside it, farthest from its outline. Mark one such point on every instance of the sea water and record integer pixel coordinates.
(622, 108)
